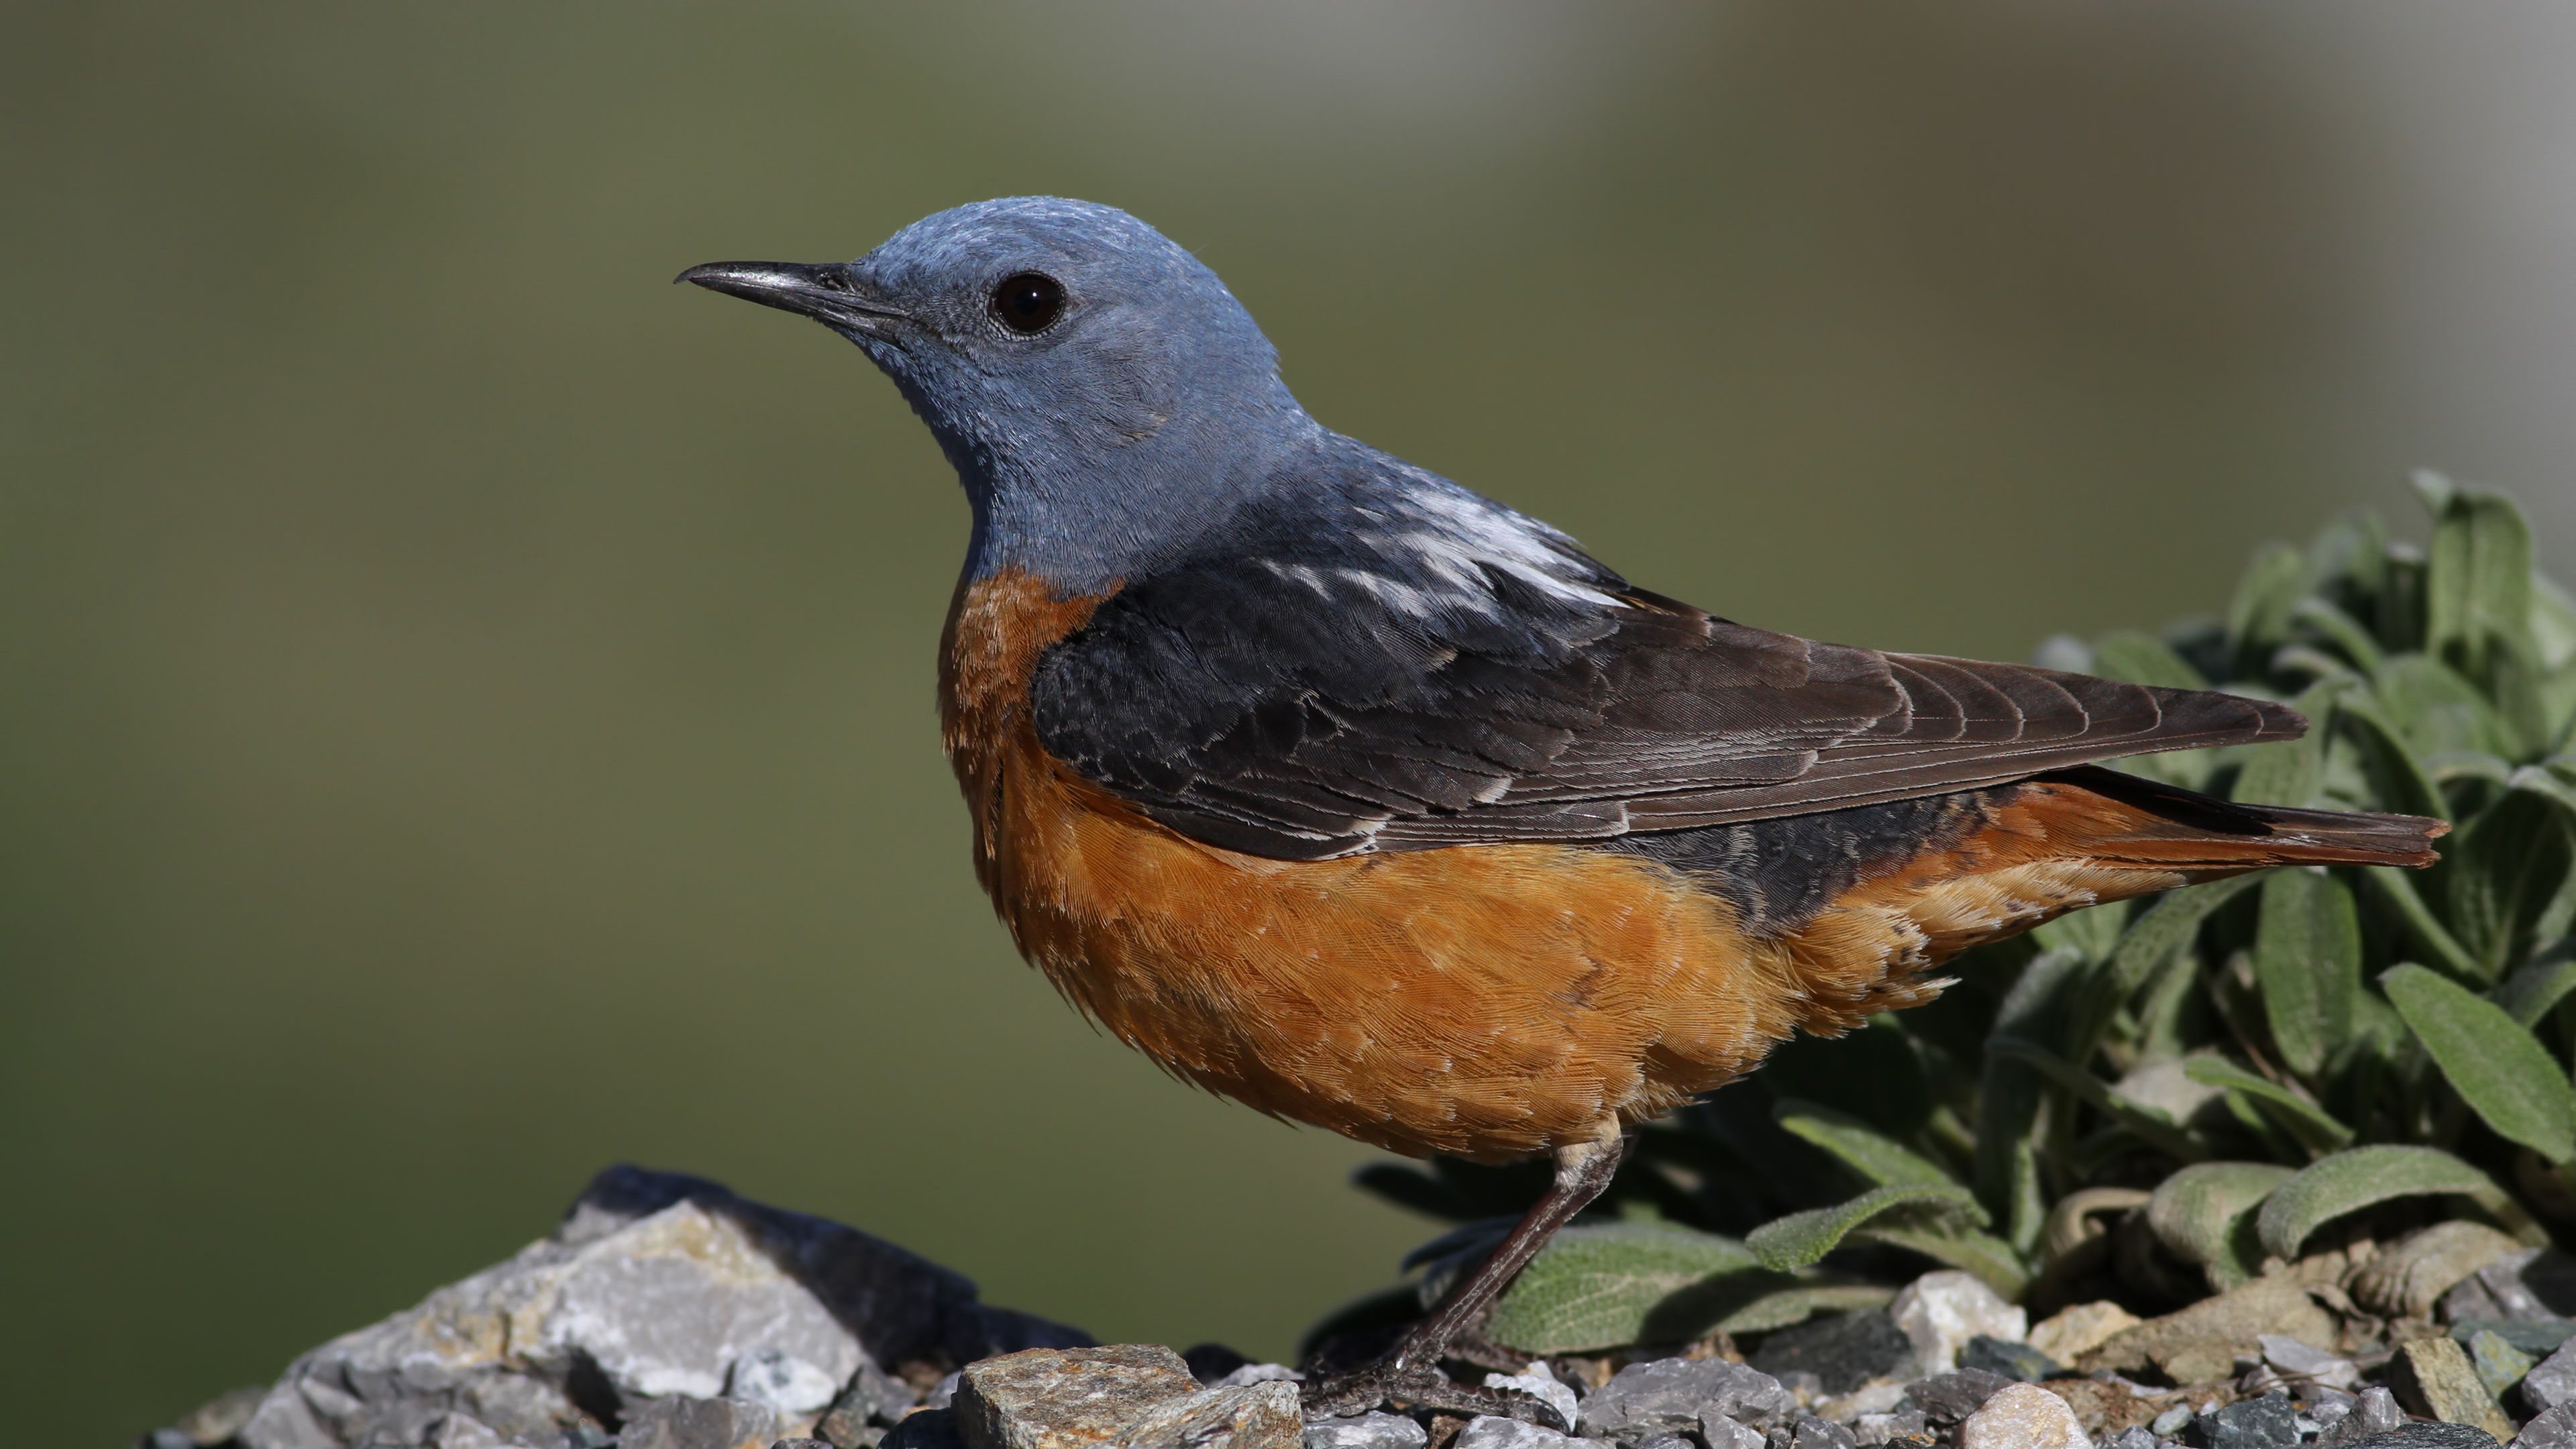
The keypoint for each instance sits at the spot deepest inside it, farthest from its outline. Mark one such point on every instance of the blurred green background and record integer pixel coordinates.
(467, 702)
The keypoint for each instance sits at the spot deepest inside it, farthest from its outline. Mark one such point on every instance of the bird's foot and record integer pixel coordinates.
(1419, 1386)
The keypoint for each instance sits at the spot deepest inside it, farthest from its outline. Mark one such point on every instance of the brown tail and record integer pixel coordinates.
(2181, 829)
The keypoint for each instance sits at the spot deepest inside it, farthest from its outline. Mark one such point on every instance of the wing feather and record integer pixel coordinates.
(1258, 710)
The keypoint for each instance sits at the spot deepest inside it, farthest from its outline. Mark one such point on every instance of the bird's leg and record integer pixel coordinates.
(1410, 1373)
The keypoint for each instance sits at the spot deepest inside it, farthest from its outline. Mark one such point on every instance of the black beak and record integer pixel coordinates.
(824, 291)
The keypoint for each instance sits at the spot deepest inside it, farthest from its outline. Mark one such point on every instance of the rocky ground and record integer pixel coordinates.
(668, 1313)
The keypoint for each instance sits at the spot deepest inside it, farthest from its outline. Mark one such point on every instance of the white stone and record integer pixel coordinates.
(1941, 1311)
(1489, 1432)
(2023, 1416)
(782, 1381)
(1258, 1373)
(1366, 1431)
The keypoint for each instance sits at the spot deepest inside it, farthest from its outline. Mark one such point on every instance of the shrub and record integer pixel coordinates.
(2217, 1073)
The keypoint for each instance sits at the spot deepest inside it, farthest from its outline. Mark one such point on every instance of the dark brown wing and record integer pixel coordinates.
(1251, 711)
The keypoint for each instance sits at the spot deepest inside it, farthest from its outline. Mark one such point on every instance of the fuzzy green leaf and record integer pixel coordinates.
(2298, 1116)
(2343, 631)
(2397, 888)
(2156, 937)
(2143, 659)
(2497, 1067)
(2150, 1125)
(2505, 868)
(2529, 993)
(2258, 618)
(2350, 1181)
(1595, 1287)
(1878, 1158)
(1761, 1312)
(1797, 1239)
(1982, 1255)
(2396, 777)
(1606, 1286)
(2009, 1095)
(2205, 1214)
(2439, 710)
(2289, 774)
(2307, 955)
(2477, 581)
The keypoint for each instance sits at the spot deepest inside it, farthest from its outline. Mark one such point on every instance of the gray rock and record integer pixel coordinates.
(1366, 1431)
(1950, 1398)
(698, 1424)
(1670, 1441)
(210, 1423)
(1673, 1395)
(1814, 1433)
(1721, 1432)
(1871, 1429)
(2304, 1362)
(1046, 1398)
(2269, 1422)
(803, 1444)
(2172, 1421)
(1257, 1373)
(791, 1386)
(943, 1394)
(925, 1429)
(2554, 1429)
(2018, 1361)
(2552, 1381)
(1261, 1415)
(2374, 1413)
(2136, 1436)
(1487, 1431)
(2420, 1435)
(2529, 1283)
(1843, 1350)
(2539, 1337)
(871, 1402)
(1540, 1384)
(652, 1287)
(461, 1431)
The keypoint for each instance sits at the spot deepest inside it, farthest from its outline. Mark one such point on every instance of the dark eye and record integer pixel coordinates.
(1028, 302)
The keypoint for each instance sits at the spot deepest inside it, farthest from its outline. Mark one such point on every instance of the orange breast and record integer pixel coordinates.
(1486, 1001)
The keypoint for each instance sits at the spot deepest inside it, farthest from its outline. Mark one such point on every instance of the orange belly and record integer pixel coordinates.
(1484, 1001)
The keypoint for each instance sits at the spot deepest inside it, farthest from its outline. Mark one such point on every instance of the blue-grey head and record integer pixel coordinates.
(1099, 390)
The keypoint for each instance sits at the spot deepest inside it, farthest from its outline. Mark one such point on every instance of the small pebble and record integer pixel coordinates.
(2265, 1423)
(1489, 1432)
(1366, 1431)
(2023, 1416)
(2171, 1421)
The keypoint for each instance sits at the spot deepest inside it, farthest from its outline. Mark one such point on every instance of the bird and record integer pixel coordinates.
(1364, 800)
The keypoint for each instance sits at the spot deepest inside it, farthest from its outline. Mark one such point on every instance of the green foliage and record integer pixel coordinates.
(2268, 1054)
